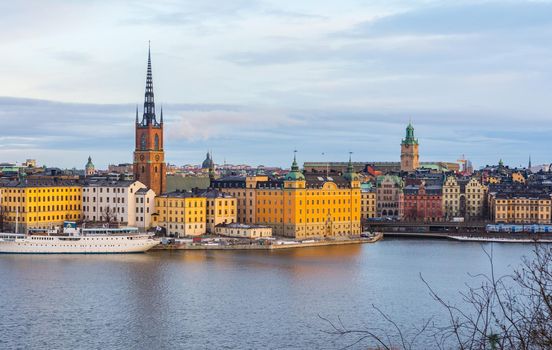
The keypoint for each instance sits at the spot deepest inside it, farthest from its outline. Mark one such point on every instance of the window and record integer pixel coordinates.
(143, 142)
(156, 141)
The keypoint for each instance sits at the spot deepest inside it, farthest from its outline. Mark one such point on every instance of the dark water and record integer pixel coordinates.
(230, 300)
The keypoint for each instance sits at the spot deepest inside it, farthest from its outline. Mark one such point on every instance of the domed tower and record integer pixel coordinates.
(208, 162)
(295, 178)
(149, 155)
(410, 160)
(89, 168)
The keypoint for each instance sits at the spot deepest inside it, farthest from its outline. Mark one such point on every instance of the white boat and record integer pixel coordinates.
(78, 241)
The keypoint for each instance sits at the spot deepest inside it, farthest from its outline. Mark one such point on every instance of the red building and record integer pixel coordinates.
(423, 203)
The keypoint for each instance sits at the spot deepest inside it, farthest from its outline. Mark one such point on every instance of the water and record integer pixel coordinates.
(231, 299)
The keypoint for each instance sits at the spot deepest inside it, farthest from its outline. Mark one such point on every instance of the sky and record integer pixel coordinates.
(254, 80)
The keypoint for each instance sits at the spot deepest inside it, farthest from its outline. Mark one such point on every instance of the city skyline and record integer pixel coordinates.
(302, 81)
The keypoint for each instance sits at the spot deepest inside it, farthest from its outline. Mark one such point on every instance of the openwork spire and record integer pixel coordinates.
(149, 103)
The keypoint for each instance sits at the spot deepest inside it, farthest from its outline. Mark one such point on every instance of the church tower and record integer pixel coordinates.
(149, 156)
(410, 160)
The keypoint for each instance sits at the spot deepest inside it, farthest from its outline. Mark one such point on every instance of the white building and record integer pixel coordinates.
(243, 230)
(128, 203)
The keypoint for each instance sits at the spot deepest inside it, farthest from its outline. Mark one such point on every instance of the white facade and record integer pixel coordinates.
(243, 231)
(145, 206)
(125, 202)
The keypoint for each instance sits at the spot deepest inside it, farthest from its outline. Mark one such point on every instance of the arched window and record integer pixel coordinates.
(143, 169)
(143, 142)
(155, 168)
(156, 142)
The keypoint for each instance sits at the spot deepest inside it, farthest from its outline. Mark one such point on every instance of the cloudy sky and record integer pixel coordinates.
(254, 80)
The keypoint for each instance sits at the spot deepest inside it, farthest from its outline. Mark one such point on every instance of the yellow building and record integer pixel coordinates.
(40, 204)
(520, 208)
(463, 198)
(244, 190)
(181, 214)
(518, 177)
(368, 203)
(221, 209)
(299, 206)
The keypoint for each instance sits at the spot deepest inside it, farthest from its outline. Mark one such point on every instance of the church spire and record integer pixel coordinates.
(161, 121)
(136, 114)
(149, 103)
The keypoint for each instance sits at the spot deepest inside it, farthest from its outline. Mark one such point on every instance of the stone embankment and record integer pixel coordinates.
(274, 246)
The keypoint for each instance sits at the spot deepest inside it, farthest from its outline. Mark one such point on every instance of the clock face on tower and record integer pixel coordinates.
(142, 157)
(157, 157)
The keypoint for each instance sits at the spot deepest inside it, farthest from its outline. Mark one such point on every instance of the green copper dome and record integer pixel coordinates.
(89, 164)
(410, 139)
(295, 174)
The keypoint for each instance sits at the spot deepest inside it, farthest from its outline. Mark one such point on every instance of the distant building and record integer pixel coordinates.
(389, 192)
(410, 160)
(243, 231)
(89, 168)
(423, 203)
(123, 168)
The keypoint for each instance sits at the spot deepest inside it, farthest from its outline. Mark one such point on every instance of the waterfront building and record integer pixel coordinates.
(300, 205)
(464, 197)
(243, 231)
(389, 192)
(520, 207)
(181, 213)
(221, 208)
(149, 156)
(128, 203)
(368, 201)
(423, 203)
(39, 203)
(409, 151)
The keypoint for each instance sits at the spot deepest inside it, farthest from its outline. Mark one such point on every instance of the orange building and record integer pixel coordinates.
(299, 206)
(149, 157)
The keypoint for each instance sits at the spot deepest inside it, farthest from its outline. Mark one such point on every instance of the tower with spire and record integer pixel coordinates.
(149, 155)
(410, 158)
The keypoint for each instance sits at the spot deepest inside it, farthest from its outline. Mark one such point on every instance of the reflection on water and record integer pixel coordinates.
(230, 299)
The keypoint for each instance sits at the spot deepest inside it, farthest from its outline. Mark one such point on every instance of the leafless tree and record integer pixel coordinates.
(109, 215)
(512, 311)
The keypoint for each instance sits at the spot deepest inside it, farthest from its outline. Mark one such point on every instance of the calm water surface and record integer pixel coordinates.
(230, 299)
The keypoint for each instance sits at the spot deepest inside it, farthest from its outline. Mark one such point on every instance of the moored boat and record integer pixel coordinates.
(78, 241)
